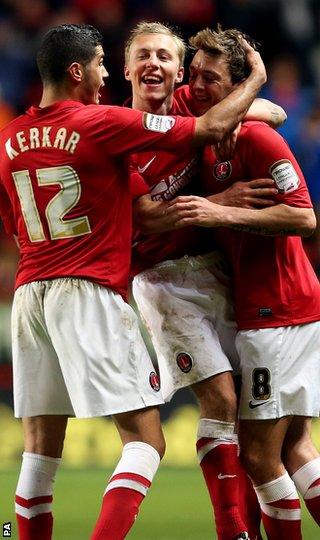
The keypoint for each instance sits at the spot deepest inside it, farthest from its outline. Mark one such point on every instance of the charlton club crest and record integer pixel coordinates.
(222, 170)
(184, 362)
(154, 381)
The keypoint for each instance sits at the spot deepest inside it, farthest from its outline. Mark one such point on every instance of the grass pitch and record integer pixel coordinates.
(177, 506)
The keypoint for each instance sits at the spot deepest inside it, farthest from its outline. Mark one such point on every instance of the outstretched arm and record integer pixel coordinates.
(276, 220)
(153, 217)
(266, 111)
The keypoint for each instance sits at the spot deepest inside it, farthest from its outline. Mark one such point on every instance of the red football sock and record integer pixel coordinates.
(280, 509)
(36, 526)
(219, 463)
(307, 480)
(119, 510)
(126, 491)
(34, 496)
(249, 505)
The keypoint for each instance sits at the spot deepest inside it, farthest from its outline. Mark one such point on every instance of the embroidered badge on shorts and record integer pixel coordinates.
(154, 381)
(184, 361)
(284, 175)
(222, 170)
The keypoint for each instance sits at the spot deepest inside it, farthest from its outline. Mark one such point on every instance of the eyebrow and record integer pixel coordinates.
(206, 71)
(145, 49)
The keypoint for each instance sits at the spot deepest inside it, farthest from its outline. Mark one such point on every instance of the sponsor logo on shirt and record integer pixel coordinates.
(156, 122)
(284, 175)
(265, 311)
(184, 361)
(141, 170)
(154, 381)
(222, 170)
(166, 188)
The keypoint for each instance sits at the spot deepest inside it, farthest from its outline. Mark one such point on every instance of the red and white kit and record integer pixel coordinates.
(274, 283)
(75, 222)
(185, 307)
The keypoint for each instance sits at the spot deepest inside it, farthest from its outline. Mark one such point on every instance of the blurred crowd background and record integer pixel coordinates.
(287, 30)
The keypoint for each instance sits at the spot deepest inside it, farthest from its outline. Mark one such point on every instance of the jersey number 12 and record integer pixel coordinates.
(68, 196)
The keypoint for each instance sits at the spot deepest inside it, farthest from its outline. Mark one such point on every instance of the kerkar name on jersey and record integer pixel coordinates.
(36, 138)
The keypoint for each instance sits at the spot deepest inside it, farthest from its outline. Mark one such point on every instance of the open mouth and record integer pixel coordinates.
(151, 80)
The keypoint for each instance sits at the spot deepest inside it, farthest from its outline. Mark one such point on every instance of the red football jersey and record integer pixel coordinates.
(65, 170)
(6, 212)
(167, 175)
(274, 282)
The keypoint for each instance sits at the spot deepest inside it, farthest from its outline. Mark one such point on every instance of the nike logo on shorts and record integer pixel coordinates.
(141, 170)
(223, 476)
(254, 405)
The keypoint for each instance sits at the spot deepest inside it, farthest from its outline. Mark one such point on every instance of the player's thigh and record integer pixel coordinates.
(141, 425)
(216, 397)
(261, 443)
(279, 368)
(45, 434)
(298, 447)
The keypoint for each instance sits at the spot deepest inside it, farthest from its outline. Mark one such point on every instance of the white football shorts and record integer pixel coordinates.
(189, 316)
(77, 350)
(280, 371)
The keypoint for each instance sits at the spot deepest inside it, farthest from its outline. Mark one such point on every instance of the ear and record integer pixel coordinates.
(75, 71)
(180, 74)
(127, 75)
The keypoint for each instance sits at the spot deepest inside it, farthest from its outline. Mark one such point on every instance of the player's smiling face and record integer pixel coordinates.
(94, 75)
(153, 67)
(209, 80)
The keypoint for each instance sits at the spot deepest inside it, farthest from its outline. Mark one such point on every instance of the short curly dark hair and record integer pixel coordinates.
(63, 45)
(228, 43)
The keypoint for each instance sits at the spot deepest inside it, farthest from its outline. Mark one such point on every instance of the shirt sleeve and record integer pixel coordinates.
(6, 212)
(127, 131)
(138, 186)
(268, 155)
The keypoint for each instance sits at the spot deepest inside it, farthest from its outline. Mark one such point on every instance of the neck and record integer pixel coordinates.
(154, 106)
(51, 94)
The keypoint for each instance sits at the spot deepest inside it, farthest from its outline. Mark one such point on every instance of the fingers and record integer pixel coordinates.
(261, 203)
(261, 183)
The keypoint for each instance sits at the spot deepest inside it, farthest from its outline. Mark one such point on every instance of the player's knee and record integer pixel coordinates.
(218, 403)
(161, 447)
(252, 460)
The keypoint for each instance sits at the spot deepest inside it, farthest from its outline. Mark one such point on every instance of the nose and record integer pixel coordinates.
(197, 83)
(105, 73)
(152, 61)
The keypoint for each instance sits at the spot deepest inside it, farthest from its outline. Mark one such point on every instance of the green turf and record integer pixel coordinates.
(176, 508)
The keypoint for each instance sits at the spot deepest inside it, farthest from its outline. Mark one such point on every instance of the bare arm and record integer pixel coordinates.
(224, 117)
(276, 220)
(266, 111)
(262, 110)
(151, 216)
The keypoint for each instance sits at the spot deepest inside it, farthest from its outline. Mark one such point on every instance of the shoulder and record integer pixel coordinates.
(12, 126)
(253, 128)
(182, 103)
(260, 135)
